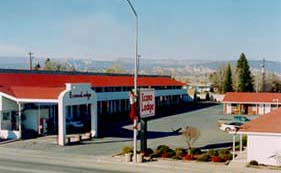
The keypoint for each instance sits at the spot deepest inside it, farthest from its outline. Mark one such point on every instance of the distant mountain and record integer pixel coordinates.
(154, 66)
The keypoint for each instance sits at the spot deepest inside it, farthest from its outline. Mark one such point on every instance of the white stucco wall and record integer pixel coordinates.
(262, 147)
(8, 105)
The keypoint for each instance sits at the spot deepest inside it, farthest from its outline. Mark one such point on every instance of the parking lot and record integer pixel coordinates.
(160, 131)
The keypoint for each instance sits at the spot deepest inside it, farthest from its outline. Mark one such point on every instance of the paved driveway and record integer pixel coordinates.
(160, 132)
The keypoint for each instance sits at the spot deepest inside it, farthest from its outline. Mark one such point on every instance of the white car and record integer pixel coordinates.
(232, 126)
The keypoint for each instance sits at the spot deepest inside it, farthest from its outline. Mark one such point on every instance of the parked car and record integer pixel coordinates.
(74, 124)
(236, 118)
(233, 126)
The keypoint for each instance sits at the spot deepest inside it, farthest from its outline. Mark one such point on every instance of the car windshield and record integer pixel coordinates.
(235, 124)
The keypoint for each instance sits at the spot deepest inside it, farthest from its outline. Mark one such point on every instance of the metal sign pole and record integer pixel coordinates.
(143, 135)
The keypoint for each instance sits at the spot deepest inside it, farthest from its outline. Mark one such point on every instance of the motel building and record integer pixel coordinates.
(245, 103)
(263, 138)
(47, 102)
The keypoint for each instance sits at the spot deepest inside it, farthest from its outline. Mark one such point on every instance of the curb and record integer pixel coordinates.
(9, 141)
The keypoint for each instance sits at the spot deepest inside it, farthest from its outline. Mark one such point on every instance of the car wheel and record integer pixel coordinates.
(227, 129)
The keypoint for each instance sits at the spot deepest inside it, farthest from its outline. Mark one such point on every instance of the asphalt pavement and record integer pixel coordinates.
(160, 131)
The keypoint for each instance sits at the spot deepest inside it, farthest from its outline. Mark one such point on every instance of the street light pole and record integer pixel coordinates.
(135, 79)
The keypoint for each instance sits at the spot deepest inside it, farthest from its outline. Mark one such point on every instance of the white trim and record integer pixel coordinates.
(38, 100)
(250, 102)
(259, 133)
(28, 100)
(9, 96)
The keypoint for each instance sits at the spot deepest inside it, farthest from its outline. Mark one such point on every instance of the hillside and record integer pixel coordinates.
(195, 71)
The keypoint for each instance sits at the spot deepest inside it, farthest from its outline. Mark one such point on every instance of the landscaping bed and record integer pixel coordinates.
(193, 154)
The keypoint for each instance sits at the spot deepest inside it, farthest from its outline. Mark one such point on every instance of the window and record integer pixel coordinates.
(6, 116)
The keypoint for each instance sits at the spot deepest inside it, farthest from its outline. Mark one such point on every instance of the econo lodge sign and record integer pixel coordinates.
(147, 103)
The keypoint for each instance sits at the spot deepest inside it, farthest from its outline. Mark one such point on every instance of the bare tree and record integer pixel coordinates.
(57, 66)
(191, 134)
(115, 68)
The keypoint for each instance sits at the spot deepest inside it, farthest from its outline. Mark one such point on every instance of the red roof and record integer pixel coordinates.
(33, 92)
(268, 123)
(246, 97)
(49, 85)
(59, 80)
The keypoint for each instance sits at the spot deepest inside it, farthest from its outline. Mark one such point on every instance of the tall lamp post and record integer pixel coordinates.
(135, 78)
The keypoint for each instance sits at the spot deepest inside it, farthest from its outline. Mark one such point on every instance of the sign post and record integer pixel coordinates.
(147, 109)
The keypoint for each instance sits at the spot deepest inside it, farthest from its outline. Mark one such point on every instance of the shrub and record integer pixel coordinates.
(213, 153)
(216, 159)
(126, 149)
(155, 155)
(165, 155)
(177, 157)
(180, 151)
(163, 148)
(203, 158)
(226, 157)
(254, 162)
(171, 153)
(223, 152)
(195, 151)
(189, 157)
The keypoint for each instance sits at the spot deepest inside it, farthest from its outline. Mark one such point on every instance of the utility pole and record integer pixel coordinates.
(30, 60)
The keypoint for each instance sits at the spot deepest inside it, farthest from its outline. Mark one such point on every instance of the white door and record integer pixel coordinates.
(267, 108)
(261, 108)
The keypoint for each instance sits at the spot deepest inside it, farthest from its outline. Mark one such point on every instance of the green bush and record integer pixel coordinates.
(155, 154)
(180, 151)
(203, 158)
(171, 153)
(126, 149)
(213, 153)
(226, 157)
(177, 157)
(195, 151)
(163, 148)
(254, 162)
(223, 152)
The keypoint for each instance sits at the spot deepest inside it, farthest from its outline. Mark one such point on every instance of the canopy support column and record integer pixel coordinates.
(233, 147)
(20, 127)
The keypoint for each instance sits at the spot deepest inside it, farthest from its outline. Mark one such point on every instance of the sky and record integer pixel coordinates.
(104, 29)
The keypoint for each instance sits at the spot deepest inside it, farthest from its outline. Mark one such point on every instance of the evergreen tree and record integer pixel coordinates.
(245, 83)
(227, 85)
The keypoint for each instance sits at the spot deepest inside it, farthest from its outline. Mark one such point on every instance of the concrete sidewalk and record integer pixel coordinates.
(195, 167)
(117, 164)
